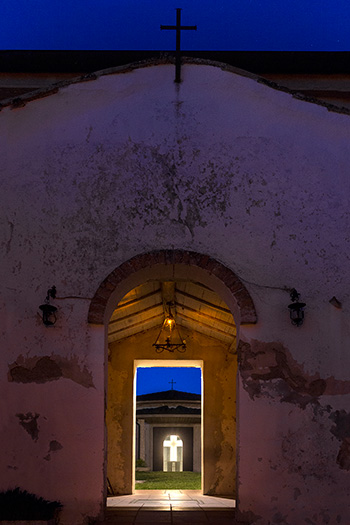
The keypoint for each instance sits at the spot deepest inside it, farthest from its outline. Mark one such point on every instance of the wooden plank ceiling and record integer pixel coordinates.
(194, 307)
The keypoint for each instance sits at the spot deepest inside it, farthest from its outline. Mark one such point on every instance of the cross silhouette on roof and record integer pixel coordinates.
(172, 384)
(178, 29)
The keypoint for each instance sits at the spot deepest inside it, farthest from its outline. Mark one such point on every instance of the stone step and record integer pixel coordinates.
(138, 516)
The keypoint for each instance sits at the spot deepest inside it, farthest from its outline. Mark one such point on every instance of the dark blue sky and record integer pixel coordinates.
(150, 380)
(274, 25)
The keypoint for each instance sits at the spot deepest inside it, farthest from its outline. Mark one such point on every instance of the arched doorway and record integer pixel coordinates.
(220, 362)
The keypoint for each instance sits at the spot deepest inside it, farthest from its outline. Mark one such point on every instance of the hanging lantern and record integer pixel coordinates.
(48, 310)
(169, 337)
(296, 309)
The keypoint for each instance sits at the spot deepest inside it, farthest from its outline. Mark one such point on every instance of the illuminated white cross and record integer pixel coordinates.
(174, 443)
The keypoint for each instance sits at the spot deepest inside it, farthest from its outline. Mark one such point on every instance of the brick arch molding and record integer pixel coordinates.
(235, 286)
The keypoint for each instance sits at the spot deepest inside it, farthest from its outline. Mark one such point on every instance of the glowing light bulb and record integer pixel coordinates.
(169, 324)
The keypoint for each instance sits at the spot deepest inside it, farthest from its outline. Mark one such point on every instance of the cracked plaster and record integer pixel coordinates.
(221, 165)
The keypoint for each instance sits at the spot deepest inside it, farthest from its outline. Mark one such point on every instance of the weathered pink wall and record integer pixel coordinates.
(222, 165)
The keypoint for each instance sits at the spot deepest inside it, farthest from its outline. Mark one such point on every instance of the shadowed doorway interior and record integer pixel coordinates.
(207, 326)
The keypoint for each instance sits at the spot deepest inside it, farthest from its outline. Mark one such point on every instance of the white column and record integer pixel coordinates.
(142, 439)
(197, 448)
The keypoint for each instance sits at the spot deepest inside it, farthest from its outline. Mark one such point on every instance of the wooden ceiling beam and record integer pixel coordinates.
(133, 325)
(132, 302)
(134, 314)
(206, 325)
(206, 316)
(200, 300)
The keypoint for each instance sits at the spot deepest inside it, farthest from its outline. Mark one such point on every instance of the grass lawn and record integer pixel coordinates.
(169, 480)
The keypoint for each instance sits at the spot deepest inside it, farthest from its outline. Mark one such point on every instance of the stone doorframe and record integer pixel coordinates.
(171, 265)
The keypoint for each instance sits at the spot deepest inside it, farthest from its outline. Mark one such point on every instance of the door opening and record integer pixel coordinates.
(208, 333)
(168, 424)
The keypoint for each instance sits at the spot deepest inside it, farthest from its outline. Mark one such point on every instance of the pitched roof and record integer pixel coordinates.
(254, 64)
(168, 410)
(169, 395)
(88, 61)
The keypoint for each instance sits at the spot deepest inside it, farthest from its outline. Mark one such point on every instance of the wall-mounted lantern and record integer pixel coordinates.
(296, 309)
(169, 337)
(48, 310)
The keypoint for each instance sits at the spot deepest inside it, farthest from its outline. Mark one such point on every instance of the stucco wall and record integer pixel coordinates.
(222, 165)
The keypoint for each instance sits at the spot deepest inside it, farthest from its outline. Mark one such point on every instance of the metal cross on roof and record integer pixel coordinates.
(178, 29)
(172, 384)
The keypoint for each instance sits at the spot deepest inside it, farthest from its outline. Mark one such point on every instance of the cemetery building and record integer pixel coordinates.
(224, 197)
(162, 415)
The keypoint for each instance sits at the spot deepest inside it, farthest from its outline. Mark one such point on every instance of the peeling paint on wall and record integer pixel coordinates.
(49, 368)
(269, 370)
(30, 424)
(341, 430)
(45, 369)
(53, 447)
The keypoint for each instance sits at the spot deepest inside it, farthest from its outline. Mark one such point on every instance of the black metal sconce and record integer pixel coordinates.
(169, 337)
(48, 310)
(296, 309)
